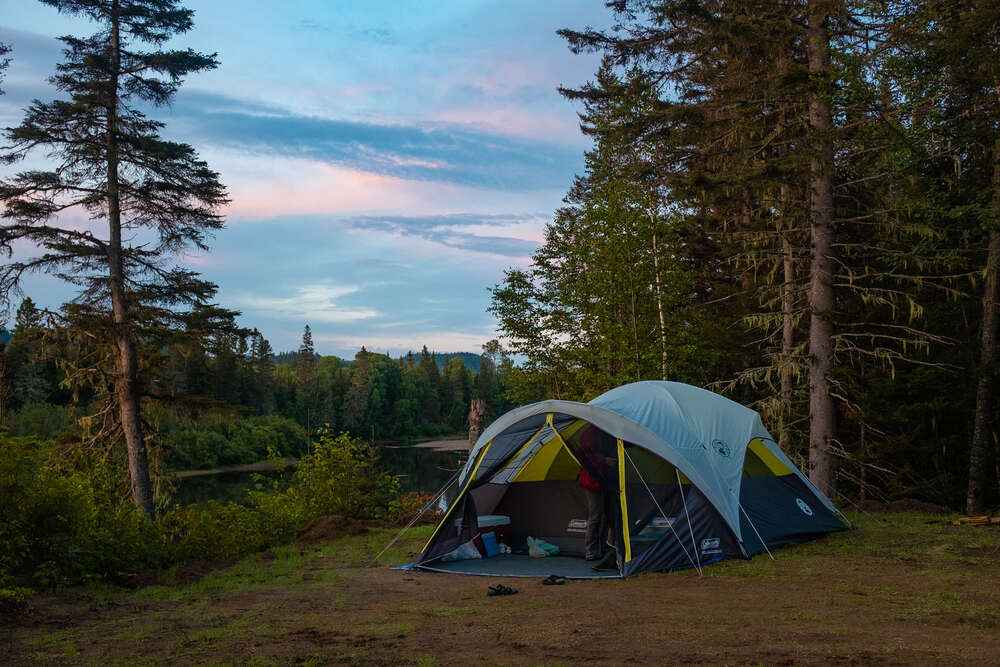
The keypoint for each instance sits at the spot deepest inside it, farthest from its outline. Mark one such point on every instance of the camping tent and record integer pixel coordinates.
(696, 478)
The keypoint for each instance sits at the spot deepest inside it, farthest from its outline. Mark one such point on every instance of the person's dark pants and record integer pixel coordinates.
(599, 508)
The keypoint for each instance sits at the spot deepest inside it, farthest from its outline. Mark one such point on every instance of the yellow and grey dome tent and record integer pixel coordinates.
(696, 478)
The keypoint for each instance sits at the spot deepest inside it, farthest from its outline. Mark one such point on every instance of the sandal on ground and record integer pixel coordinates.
(500, 589)
(554, 580)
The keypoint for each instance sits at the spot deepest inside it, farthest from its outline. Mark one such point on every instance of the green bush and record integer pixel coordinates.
(43, 420)
(193, 448)
(68, 523)
(212, 442)
(341, 476)
(71, 522)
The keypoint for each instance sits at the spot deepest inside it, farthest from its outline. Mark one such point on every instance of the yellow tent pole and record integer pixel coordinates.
(472, 476)
(621, 499)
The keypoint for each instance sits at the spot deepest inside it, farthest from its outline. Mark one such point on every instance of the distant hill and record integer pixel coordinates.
(471, 359)
(288, 357)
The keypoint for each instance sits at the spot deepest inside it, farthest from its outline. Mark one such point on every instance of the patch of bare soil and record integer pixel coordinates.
(185, 574)
(14, 612)
(817, 604)
(330, 527)
(904, 505)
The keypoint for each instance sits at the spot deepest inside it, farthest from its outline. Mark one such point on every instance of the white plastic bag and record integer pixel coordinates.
(534, 550)
(467, 551)
(541, 548)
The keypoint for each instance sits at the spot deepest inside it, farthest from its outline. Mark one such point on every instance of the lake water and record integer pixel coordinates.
(418, 469)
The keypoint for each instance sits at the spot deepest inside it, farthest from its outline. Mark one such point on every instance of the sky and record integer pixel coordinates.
(386, 160)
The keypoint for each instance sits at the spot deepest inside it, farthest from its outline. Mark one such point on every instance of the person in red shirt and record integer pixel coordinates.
(593, 447)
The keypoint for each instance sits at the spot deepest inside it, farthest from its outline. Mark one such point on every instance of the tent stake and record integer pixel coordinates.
(419, 513)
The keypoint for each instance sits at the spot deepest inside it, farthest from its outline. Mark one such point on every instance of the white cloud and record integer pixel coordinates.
(316, 302)
(398, 344)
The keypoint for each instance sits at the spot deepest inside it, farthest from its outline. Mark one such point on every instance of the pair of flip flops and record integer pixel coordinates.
(500, 589)
(554, 580)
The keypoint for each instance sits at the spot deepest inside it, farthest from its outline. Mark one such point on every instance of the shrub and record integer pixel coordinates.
(68, 523)
(405, 508)
(40, 419)
(211, 442)
(341, 476)
(72, 522)
(192, 448)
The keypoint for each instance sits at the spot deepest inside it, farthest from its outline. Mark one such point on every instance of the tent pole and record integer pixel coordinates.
(420, 513)
(694, 545)
(662, 513)
(756, 531)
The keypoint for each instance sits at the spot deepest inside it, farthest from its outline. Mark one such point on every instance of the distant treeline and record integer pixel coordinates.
(442, 358)
(223, 398)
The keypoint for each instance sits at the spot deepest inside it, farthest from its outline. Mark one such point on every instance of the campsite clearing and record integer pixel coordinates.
(900, 589)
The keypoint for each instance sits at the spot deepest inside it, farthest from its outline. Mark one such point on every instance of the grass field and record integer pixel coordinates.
(899, 589)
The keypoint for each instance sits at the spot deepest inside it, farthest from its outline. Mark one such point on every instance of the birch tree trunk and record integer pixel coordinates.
(822, 416)
(659, 306)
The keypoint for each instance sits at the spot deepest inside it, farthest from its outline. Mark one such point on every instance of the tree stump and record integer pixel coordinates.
(477, 412)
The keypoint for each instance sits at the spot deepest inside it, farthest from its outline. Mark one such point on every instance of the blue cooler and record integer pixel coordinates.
(492, 531)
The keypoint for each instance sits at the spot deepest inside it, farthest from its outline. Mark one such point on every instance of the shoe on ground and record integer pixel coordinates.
(500, 589)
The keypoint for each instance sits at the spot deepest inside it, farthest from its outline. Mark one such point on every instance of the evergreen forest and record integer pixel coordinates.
(796, 204)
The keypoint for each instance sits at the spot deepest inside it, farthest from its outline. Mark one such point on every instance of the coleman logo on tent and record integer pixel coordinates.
(710, 546)
(577, 526)
(721, 448)
(804, 506)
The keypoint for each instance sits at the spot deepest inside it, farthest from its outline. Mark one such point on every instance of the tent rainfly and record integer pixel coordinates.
(694, 478)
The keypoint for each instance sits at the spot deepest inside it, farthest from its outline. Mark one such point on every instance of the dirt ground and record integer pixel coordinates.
(900, 589)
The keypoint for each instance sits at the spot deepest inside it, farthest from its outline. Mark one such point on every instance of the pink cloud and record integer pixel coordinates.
(280, 186)
(514, 121)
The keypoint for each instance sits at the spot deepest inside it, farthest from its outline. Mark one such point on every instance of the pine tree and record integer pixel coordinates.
(155, 196)
(355, 408)
(262, 365)
(305, 378)
(4, 62)
(430, 405)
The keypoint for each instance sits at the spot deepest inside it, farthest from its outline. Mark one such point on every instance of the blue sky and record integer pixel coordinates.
(386, 160)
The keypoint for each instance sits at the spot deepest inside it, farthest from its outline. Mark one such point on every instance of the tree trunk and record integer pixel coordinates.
(975, 501)
(822, 416)
(126, 363)
(3, 384)
(635, 327)
(477, 413)
(659, 305)
(787, 340)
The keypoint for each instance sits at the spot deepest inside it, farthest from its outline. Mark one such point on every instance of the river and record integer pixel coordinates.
(419, 468)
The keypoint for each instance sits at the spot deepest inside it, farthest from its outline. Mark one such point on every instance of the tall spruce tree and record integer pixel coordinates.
(156, 197)
(4, 62)
(305, 378)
